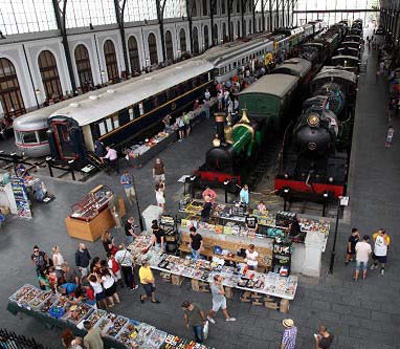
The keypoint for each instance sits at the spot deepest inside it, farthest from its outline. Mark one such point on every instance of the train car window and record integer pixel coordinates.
(193, 82)
(115, 120)
(177, 90)
(204, 78)
(102, 128)
(155, 101)
(161, 98)
(234, 65)
(148, 105)
(242, 60)
(230, 66)
(141, 109)
(109, 124)
(95, 130)
(42, 135)
(131, 114)
(29, 137)
(171, 93)
(221, 71)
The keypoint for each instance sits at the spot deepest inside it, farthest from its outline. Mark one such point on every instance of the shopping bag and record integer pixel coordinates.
(206, 329)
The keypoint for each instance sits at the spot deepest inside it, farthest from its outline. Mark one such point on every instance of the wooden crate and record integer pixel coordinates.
(176, 280)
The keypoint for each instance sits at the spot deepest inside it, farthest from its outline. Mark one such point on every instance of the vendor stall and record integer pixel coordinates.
(139, 154)
(92, 216)
(117, 331)
(227, 222)
(271, 285)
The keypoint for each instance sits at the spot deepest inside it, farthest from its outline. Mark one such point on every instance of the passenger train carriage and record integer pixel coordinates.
(123, 112)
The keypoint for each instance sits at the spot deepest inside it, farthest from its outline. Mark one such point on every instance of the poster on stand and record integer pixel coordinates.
(21, 197)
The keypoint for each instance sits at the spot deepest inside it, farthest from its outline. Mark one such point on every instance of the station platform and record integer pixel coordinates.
(363, 315)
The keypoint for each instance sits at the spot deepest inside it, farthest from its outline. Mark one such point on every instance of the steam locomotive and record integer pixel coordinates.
(316, 156)
(267, 104)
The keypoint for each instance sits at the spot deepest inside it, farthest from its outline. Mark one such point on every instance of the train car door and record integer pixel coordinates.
(63, 140)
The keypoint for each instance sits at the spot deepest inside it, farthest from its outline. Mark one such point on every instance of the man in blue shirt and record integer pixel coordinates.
(244, 195)
(126, 181)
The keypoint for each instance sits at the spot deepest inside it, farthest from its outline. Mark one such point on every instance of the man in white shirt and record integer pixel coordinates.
(112, 159)
(363, 251)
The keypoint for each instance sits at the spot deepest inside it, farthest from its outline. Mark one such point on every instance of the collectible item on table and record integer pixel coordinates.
(117, 324)
(128, 335)
(40, 299)
(60, 308)
(45, 307)
(21, 293)
(29, 296)
(96, 316)
(156, 339)
(284, 219)
(308, 225)
(144, 333)
(77, 313)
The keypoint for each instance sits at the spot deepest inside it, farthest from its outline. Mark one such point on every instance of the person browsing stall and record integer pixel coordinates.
(196, 243)
(244, 195)
(195, 318)
(251, 257)
(130, 230)
(211, 193)
(251, 223)
(206, 211)
(158, 237)
(147, 281)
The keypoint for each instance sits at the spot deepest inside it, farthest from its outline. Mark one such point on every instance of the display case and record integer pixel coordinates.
(92, 204)
(92, 216)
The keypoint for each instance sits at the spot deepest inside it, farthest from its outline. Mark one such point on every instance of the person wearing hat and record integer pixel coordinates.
(289, 334)
(148, 282)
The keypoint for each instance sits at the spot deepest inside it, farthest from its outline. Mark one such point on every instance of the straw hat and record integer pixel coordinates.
(288, 323)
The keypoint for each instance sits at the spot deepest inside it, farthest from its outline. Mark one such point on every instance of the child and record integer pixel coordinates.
(389, 137)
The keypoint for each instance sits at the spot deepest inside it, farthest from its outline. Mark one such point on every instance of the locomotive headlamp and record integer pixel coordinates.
(313, 121)
(216, 142)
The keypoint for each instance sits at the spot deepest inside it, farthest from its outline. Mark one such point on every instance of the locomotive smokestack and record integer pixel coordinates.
(220, 121)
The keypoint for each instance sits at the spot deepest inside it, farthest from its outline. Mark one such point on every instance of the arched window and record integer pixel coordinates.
(168, 44)
(244, 29)
(215, 38)
(206, 42)
(49, 72)
(223, 6)
(238, 29)
(10, 93)
(111, 61)
(238, 6)
(205, 12)
(194, 9)
(224, 34)
(232, 32)
(250, 28)
(133, 55)
(182, 40)
(82, 61)
(196, 40)
(153, 49)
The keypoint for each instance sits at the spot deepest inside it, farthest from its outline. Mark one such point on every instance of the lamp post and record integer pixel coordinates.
(343, 201)
(137, 204)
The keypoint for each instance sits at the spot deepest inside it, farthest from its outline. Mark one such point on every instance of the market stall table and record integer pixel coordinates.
(270, 285)
(118, 332)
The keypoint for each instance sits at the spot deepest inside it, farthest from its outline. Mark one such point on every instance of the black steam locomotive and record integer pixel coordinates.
(315, 158)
